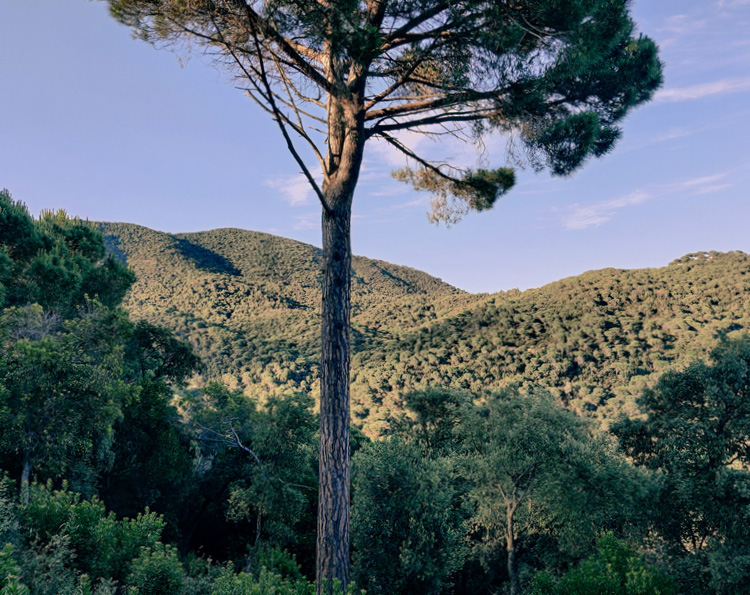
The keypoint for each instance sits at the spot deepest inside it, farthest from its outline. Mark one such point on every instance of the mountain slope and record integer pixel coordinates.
(249, 302)
(596, 340)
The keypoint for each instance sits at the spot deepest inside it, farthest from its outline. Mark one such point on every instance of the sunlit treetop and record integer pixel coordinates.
(554, 76)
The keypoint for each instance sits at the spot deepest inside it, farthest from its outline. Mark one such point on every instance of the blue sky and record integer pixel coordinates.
(110, 129)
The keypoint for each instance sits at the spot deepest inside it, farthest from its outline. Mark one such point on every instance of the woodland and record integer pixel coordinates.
(159, 421)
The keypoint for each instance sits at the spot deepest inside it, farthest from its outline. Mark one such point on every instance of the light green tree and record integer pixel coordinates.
(538, 470)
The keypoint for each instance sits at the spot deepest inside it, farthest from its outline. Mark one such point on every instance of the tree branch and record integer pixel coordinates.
(279, 118)
(412, 155)
(290, 48)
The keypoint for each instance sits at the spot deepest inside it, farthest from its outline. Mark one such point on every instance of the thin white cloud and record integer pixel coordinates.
(579, 217)
(713, 189)
(693, 92)
(682, 24)
(696, 184)
(583, 217)
(732, 3)
(306, 221)
(671, 135)
(674, 134)
(295, 190)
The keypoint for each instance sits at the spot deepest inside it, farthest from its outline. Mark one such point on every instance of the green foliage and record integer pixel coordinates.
(86, 394)
(248, 304)
(266, 456)
(407, 533)
(540, 478)
(75, 372)
(98, 544)
(157, 571)
(559, 77)
(269, 583)
(432, 417)
(455, 197)
(61, 395)
(615, 569)
(278, 561)
(9, 571)
(56, 261)
(695, 437)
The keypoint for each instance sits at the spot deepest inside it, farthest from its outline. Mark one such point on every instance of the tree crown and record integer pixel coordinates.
(557, 76)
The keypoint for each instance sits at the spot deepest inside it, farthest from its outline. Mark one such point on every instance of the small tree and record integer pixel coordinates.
(407, 526)
(558, 76)
(60, 341)
(272, 472)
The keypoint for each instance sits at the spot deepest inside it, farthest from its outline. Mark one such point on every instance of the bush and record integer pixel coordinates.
(9, 571)
(157, 571)
(99, 544)
(268, 583)
(614, 570)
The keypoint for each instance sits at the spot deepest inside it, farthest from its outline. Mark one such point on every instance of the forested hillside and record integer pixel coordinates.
(115, 480)
(249, 303)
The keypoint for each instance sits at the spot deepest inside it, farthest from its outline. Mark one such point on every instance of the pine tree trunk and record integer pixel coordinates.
(333, 493)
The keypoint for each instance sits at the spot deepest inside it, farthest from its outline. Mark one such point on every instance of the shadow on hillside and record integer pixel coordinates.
(112, 246)
(206, 259)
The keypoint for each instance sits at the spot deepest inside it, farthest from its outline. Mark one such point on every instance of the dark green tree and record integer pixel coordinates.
(560, 77)
(696, 438)
(268, 455)
(152, 462)
(407, 523)
(60, 396)
(71, 362)
(56, 261)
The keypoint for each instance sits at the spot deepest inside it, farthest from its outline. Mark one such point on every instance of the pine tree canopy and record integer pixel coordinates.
(555, 76)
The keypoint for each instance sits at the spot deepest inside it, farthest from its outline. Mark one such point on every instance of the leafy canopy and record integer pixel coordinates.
(695, 436)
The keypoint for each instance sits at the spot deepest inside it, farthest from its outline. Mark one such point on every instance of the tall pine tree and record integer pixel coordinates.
(333, 74)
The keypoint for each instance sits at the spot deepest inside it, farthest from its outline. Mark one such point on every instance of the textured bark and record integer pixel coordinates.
(333, 495)
(346, 141)
(515, 583)
(254, 549)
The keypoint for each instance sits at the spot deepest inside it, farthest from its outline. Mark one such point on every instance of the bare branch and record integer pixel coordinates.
(249, 451)
(290, 48)
(280, 118)
(463, 98)
(412, 155)
(415, 22)
(436, 119)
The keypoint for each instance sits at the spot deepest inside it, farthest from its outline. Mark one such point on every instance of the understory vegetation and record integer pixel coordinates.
(591, 437)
